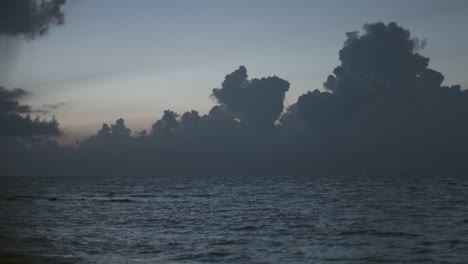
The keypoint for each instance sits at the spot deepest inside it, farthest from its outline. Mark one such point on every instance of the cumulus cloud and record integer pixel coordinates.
(167, 125)
(383, 98)
(257, 102)
(383, 108)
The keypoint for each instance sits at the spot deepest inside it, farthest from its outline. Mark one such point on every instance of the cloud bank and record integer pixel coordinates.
(382, 109)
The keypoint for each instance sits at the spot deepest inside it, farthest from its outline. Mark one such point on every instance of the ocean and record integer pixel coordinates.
(338, 218)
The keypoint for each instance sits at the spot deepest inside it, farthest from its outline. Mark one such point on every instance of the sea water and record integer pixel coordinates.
(364, 218)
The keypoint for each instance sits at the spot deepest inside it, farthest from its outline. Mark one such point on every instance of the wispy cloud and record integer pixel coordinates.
(54, 106)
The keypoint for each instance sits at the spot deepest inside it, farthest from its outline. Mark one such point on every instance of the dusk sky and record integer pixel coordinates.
(247, 131)
(117, 58)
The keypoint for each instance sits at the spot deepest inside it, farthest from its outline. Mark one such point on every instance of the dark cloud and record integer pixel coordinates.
(383, 98)
(29, 18)
(116, 134)
(9, 101)
(14, 123)
(383, 109)
(167, 125)
(257, 102)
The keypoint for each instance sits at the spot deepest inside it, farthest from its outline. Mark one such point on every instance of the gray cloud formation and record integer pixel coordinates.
(383, 109)
(29, 18)
(12, 121)
(257, 102)
(383, 98)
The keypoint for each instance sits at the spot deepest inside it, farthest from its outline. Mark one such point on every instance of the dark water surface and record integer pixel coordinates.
(204, 219)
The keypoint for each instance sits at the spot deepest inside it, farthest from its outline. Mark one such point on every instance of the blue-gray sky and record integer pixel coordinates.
(133, 59)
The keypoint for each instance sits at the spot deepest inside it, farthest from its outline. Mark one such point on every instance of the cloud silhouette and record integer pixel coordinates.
(12, 121)
(383, 109)
(257, 102)
(29, 18)
(383, 98)
(167, 125)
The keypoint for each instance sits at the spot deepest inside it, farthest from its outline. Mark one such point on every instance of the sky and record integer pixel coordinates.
(134, 59)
